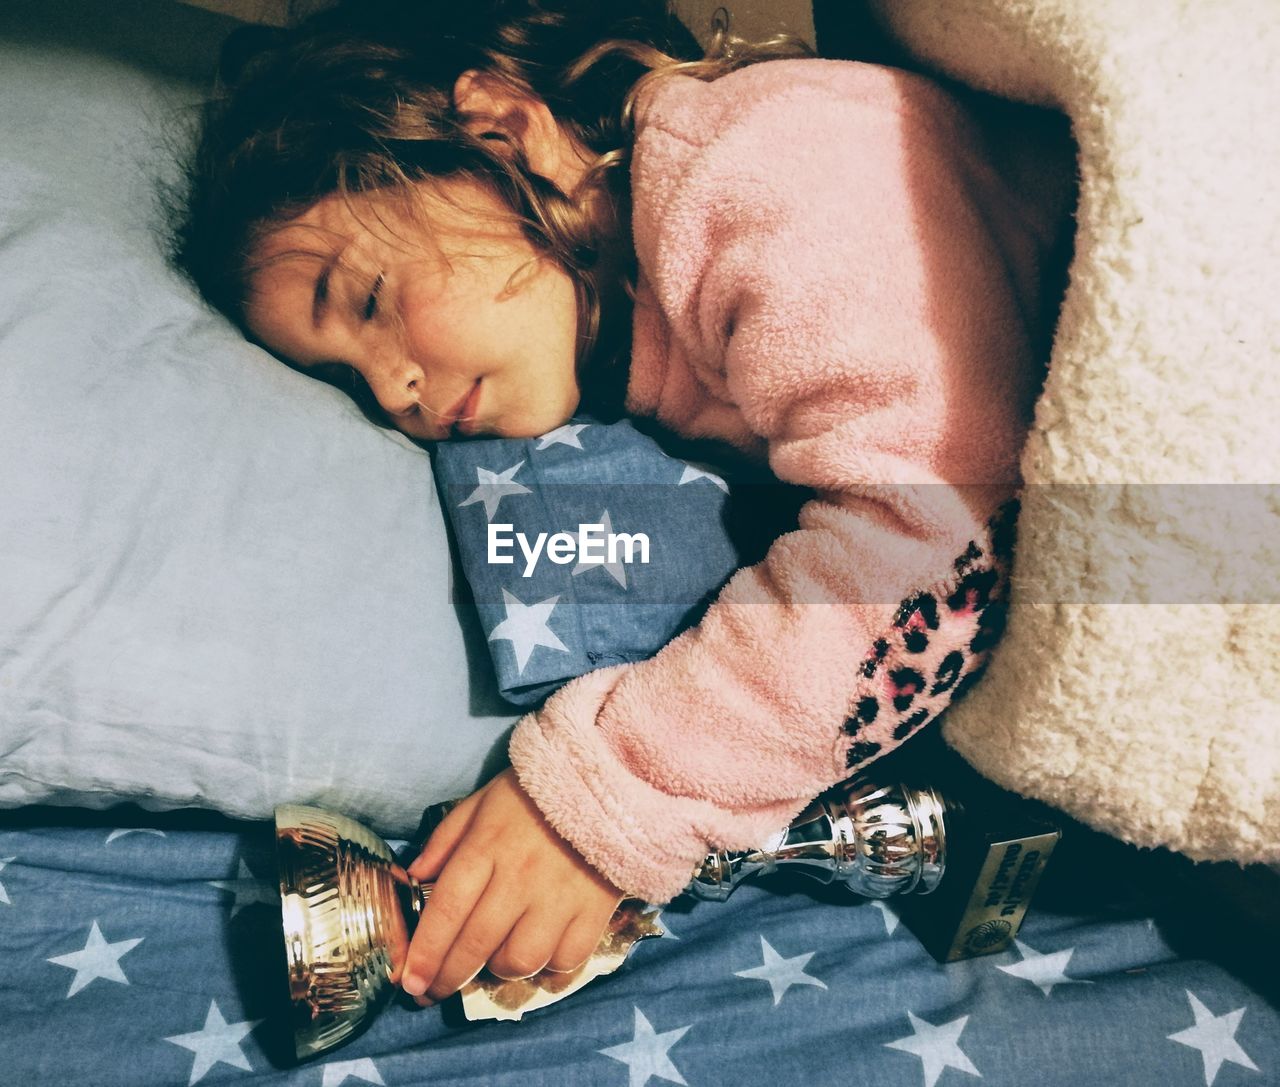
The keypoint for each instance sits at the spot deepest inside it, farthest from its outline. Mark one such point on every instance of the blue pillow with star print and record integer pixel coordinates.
(591, 545)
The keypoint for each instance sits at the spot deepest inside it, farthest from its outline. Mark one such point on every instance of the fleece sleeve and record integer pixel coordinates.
(860, 320)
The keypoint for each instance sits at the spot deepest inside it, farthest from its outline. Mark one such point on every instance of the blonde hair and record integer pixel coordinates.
(360, 99)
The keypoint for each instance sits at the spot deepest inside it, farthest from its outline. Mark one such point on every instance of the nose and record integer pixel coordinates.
(396, 384)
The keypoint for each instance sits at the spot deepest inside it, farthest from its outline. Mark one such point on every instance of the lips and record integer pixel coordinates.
(463, 412)
(466, 422)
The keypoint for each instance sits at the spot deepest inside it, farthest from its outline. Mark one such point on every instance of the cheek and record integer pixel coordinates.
(553, 317)
(558, 396)
(434, 336)
(450, 327)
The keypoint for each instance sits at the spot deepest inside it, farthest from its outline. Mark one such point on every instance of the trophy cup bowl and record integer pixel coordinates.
(349, 908)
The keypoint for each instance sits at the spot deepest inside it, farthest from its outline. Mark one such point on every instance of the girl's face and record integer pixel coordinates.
(446, 312)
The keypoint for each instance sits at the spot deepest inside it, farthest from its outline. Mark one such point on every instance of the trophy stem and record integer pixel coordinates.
(413, 897)
(877, 840)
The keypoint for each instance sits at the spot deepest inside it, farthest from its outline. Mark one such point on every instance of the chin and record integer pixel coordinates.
(533, 424)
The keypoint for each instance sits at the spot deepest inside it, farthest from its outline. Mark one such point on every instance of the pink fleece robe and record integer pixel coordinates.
(832, 277)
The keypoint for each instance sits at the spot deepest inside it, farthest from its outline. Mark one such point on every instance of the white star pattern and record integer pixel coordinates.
(563, 435)
(1127, 1012)
(98, 959)
(337, 1073)
(120, 832)
(646, 1054)
(81, 867)
(781, 973)
(525, 627)
(1215, 1037)
(248, 889)
(1043, 971)
(617, 570)
(891, 919)
(493, 487)
(216, 1041)
(937, 1047)
(691, 473)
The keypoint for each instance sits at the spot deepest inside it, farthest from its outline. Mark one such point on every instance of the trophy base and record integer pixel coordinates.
(995, 863)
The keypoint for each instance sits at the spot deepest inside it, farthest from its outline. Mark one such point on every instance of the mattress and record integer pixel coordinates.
(143, 950)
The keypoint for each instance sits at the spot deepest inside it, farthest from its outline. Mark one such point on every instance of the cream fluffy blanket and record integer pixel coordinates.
(1138, 687)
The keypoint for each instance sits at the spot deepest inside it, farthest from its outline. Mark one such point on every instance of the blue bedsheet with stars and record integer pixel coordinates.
(148, 953)
(664, 534)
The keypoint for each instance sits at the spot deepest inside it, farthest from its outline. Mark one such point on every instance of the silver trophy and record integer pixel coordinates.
(878, 840)
(348, 907)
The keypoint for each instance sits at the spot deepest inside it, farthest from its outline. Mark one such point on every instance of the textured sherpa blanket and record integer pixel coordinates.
(1138, 686)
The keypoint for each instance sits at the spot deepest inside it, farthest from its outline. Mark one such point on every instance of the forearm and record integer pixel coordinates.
(783, 689)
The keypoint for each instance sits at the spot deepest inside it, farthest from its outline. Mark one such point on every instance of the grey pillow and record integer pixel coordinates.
(219, 584)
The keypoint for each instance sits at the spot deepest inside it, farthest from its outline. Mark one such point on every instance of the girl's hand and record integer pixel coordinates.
(509, 892)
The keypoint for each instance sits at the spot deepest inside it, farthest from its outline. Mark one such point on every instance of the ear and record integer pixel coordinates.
(488, 106)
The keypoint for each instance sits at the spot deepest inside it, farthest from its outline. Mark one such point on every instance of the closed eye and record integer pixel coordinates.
(371, 303)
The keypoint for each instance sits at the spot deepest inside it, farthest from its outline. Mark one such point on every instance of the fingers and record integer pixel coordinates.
(487, 930)
(444, 920)
(542, 940)
(530, 946)
(583, 935)
(507, 892)
(444, 839)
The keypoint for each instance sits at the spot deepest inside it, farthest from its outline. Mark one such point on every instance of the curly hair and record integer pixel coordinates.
(359, 98)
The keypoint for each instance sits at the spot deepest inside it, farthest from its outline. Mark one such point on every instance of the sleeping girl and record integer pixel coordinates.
(485, 216)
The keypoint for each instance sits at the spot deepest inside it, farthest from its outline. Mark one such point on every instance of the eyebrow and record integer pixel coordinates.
(320, 296)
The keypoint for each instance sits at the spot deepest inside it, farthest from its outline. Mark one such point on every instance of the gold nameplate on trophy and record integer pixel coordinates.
(992, 872)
